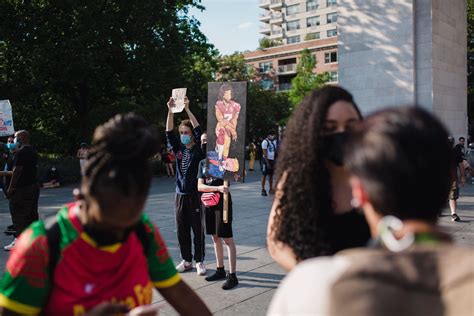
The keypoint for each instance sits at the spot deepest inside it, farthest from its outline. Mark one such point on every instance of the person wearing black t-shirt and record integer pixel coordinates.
(187, 150)
(215, 225)
(23, 191)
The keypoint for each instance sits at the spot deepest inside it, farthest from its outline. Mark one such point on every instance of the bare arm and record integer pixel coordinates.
(170, 118)
(209, 188)
(280, 252)
(191, 116)
(192, 305)
(462, 172)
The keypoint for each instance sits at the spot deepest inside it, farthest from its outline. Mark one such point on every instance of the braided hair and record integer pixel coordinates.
(118, 161)
(306, 202)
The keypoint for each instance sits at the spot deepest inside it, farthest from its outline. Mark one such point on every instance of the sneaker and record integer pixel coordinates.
(231, 282)
(184, 266)
(218, 275)
(455, 217)
(11, 226)
(200, 268)
(10, 246)
(264, 193)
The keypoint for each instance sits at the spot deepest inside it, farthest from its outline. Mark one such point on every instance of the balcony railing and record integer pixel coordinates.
(287, 68)
(282, 87)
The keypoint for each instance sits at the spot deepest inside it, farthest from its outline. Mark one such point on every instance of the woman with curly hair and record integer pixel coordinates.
(312, 213)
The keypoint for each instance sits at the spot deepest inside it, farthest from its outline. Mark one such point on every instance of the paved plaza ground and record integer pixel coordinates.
(258, 275)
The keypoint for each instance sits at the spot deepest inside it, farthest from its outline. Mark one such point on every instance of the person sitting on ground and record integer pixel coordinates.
(400, 164)
(312, 213)
(215, 225)
(52, 178)
(103, 249)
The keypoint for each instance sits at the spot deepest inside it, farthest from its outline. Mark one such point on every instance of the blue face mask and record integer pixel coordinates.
(12, 146)
(185, 139)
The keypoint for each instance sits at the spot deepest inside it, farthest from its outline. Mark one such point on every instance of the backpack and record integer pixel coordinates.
(53, 234)
(424, 280)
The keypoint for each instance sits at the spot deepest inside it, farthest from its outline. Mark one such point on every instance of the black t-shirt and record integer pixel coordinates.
(27, 157)
(456, 159)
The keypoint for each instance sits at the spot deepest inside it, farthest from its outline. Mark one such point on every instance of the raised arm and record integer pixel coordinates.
(193, 305)
(170, 118)
(191, 116)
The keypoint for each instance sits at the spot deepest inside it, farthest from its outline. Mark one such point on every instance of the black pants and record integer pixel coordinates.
(189, 216)
(24, 207)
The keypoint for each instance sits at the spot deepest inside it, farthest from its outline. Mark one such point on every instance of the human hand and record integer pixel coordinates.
(223, 189)
(108, 309)
(170, 103)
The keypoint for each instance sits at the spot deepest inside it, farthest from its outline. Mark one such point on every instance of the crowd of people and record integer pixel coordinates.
(353, 220)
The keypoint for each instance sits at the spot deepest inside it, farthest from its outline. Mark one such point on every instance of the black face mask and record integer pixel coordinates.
(106, 238)
(204, 148)
(333, 147)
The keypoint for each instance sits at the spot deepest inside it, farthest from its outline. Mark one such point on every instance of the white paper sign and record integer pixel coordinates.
(178, 97)
(6, 118)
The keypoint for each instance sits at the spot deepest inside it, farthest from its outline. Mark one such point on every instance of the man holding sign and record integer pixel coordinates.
(187, 206)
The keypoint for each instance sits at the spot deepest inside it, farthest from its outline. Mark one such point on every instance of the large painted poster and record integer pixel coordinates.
(227, 105)
(6, 118)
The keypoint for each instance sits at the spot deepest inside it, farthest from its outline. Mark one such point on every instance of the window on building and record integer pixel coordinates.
(293, 25)
(313, 21)
(312, 36)
(332, 18)
(312, 5)
(292, 9)
(293, 39)
(265, 66)
(330, 57)
(332, 33)
(266, 84)
(331, 2)
(333, 76)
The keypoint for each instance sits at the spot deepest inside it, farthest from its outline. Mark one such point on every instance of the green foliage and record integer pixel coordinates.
(233, 68)
(265, 110)
(306, 80)
(264, 42)
(310, 36)
(69, 66)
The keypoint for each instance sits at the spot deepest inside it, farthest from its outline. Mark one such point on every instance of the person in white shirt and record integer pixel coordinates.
(269, 148)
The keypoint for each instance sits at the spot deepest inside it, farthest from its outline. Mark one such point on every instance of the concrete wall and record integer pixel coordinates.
(399, 52)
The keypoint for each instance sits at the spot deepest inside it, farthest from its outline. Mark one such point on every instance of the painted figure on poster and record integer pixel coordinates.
(227, 115)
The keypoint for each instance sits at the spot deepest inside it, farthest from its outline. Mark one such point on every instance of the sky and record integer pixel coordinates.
(231, 25)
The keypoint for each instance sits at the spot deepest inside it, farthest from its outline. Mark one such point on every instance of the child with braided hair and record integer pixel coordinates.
(109, 254)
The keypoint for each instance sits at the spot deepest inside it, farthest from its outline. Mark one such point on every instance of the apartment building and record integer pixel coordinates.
(290, 27)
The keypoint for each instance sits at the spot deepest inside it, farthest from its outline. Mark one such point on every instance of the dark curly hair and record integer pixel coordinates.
(306, 201)
(118, 161)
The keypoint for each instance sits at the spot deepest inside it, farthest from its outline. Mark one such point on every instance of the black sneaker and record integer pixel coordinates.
(11, 226)
(231, 282)
(218, 275)
(455, 217)
(264, 193)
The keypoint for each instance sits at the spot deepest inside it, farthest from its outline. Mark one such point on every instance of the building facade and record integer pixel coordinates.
(290, 26)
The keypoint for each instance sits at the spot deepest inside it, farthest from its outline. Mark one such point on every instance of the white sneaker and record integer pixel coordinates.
(201, 268)
(184, 266)
(10, 246)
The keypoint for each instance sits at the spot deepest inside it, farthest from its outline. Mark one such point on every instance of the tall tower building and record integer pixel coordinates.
(288, 27)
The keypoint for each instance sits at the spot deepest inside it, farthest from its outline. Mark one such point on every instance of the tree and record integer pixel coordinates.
(233, 68)
(306, 80)
(68, 66)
